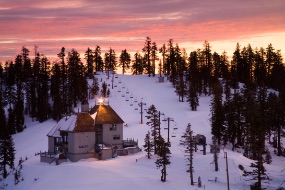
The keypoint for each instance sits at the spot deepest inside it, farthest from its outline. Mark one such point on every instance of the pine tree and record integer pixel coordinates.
(217, 118)
(7, 151)
(19, 114)
(27, 78)
(147, 51)
(153, 121)
(206, 66)
(11, 126)
(10, 91)
(64, 92)
(95, 87)
(55, 92)
(188, 142)
(77, 83)
(260, 68)
(43, 105)
(99, 64)
(104, 89)
(19, 101)
(162, 50)
(110, 61)
(268, 158)
(278, 72)
(89, 61)
(1, 80)
(233, 127)
(275, 115)
(35, 86)
(137, 66)
(179, 79)
(125, 60)
(163, 160)
(236, 67)
(3, 125)
(193, 81)
(108, 92)
(171, 61)
(148, 146)
(153, 57)
(215, 156)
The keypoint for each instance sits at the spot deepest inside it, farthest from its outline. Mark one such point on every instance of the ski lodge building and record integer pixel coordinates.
(97, 133)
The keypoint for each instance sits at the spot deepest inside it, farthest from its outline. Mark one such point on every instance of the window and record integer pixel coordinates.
(116, 137)
(113, 127)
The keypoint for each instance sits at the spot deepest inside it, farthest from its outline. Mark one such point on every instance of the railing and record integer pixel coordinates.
(48, 154)
(130, 143)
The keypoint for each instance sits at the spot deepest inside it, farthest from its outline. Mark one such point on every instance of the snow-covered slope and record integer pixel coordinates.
(136, 171)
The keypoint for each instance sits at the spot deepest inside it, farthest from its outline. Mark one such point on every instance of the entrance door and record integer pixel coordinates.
(99, 138)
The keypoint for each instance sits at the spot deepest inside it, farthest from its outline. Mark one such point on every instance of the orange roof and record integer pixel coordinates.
(84, 123)
(106, 115)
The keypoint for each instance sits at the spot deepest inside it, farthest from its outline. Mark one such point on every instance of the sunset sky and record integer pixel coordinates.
(125, 24)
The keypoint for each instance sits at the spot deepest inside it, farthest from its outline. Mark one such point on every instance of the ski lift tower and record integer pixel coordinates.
(168, 119)
(141, 104)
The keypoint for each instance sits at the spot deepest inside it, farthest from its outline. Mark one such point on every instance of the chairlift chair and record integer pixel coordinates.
(116, 76)
(173, 135)
(119, 90)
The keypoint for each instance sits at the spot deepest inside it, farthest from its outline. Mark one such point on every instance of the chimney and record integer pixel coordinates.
(84, 106)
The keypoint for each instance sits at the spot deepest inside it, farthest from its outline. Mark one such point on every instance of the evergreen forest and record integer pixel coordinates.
(247, 91)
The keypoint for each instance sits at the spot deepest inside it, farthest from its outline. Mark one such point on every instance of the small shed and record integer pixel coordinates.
(200, 139)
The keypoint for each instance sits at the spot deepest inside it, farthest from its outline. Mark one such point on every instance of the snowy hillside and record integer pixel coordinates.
(136, 171)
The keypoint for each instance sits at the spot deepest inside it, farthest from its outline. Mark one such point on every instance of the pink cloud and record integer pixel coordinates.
(85, 23)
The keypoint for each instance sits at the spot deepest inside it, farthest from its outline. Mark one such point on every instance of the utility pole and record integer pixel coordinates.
(227, 169)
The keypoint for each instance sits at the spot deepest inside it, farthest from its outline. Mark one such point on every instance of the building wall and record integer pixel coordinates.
(81, 142)
(108, 135)
(77, 157)
(51, 144)
(48, 160)
(106, 153)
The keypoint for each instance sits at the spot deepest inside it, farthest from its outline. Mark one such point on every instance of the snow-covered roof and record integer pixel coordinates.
(94, 115)
(82, 122)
